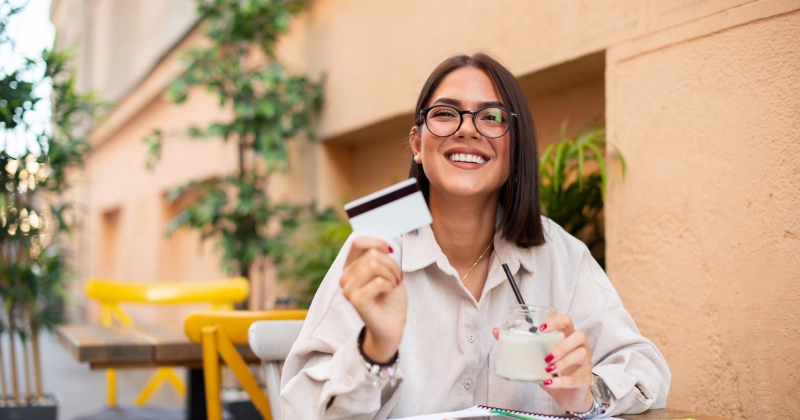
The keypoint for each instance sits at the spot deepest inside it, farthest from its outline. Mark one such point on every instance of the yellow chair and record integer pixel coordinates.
(220, 294)
(219, 332)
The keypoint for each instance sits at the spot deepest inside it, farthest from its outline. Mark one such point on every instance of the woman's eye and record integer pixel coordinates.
(494, 117)
(443, 113)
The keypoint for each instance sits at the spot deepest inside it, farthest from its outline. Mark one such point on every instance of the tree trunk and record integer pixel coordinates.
(13, 353)
(3, 375)
(244, 272)
(37, 360)
(26, 361)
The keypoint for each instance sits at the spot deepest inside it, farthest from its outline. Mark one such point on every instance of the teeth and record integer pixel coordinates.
(462, 157)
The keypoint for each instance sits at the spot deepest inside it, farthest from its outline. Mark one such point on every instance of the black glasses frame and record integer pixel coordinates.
(424, 113)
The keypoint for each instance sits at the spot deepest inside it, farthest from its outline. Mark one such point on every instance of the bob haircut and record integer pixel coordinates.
(520, 221)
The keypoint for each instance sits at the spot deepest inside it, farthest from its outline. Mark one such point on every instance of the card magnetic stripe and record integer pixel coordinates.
(382, 200)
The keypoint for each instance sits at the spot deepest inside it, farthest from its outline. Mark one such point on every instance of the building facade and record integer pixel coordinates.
(703, 232)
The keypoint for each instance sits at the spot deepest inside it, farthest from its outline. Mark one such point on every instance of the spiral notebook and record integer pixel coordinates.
(480, 411)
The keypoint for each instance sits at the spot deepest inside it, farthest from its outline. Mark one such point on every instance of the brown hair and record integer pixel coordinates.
(520, 221)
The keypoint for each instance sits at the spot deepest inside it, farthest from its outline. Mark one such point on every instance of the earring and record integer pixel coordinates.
(416, 158)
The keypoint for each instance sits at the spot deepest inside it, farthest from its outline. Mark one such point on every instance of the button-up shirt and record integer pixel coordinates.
(448, 354)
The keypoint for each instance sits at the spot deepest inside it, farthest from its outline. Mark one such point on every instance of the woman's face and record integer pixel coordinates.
(450, 162)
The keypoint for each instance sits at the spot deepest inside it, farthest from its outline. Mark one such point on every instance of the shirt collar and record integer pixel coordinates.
(420, 249)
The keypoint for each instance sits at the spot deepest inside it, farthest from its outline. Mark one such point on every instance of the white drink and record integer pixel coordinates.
(520, 354)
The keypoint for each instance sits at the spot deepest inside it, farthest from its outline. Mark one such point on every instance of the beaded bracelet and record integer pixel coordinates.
(380, 373)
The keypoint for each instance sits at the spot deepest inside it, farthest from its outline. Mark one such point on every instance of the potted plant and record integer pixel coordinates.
(309, 246)
(34, 163)
(572, 177)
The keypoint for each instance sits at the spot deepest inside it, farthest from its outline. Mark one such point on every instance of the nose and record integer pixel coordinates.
(467, 129)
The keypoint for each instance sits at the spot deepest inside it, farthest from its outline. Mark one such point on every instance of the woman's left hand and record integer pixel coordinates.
(572, 361)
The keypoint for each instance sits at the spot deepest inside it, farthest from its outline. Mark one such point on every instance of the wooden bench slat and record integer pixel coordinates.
(170, 344)
(145, 345)
(95, 343)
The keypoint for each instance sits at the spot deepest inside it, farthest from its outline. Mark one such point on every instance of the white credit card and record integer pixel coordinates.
(389, 212)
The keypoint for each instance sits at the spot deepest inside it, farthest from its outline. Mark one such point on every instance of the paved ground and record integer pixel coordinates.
(83, 391)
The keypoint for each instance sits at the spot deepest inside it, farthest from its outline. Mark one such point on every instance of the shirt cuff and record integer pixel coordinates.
(350, 385)
(627, 396)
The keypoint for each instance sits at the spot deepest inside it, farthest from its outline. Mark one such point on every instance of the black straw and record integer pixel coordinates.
(518, 294)
(513, 284)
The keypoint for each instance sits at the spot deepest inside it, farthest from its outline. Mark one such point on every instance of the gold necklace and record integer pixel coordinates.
(477, 261)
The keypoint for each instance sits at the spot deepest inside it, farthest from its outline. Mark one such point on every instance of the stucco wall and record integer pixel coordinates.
(704, 233)
(119, 42)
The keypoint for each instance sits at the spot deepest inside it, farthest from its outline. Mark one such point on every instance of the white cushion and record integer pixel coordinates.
(272, 340)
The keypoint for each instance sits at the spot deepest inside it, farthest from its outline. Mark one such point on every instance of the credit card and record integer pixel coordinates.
(389, 212)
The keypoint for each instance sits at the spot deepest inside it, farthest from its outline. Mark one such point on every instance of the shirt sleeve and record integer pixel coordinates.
(631, 366)
(324, 376)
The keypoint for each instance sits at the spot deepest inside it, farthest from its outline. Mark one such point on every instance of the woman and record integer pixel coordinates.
(409, 327)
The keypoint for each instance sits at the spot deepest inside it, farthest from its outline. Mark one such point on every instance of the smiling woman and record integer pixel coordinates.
(437, 295)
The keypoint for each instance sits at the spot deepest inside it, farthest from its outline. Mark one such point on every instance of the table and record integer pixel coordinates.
(669, 414)
(143, 346)
(149, 345)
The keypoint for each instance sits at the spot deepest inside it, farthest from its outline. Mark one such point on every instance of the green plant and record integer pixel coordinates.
(310, 243)
(270, 107)
(572, 176)
(34, 210)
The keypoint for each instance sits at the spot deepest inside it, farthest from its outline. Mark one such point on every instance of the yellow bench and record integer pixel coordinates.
(219, 294)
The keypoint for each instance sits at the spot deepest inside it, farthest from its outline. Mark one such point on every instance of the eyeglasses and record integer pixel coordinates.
(445, 120)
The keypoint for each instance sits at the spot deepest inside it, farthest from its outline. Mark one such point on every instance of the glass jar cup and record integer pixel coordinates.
(521, 348)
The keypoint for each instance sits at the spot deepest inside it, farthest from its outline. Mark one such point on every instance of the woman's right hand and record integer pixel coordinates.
(372, 282)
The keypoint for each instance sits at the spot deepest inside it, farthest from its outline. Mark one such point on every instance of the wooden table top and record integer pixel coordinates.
(669, 414)
(146, 345)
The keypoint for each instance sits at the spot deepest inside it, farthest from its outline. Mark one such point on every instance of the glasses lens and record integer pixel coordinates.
(442, 120)
(492, 122)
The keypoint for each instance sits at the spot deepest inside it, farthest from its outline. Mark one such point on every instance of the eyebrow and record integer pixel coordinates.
(458, 103)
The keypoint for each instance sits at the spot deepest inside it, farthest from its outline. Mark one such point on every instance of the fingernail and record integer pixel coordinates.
(542, 327)
(549, 358)
(391, 250)
(547, 381)
(550, 368)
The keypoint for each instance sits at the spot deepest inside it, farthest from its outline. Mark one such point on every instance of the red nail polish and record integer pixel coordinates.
(542, 327)
(550, 368)
(547, 381)
(390, 249)
(549, 358)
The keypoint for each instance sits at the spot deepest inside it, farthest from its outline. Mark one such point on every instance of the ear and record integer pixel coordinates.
(415, 140)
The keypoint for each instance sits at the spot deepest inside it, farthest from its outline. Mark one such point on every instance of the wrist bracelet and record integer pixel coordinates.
(380, 373)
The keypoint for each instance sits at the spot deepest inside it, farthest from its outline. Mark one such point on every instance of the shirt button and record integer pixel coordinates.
(620, 385)
(471, 337)
(348, 380)
(468, 384)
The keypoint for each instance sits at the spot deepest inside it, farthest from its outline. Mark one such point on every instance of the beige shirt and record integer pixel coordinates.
(448, 354)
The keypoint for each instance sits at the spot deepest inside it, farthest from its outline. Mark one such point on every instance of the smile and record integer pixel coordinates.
(465, 157)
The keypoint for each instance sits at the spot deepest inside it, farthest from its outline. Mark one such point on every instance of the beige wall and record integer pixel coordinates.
(704, 234)
(119, 42)
(700, 96)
